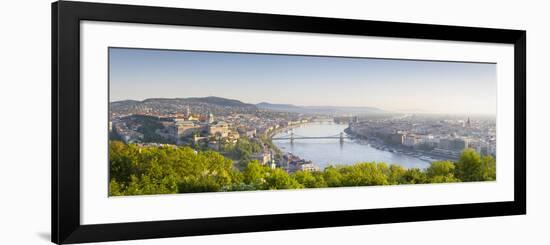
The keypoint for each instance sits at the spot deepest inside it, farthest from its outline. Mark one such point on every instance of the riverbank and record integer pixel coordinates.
(203, 169)
(286, 160)
(381, 145)
(282, 129)
(327, 151)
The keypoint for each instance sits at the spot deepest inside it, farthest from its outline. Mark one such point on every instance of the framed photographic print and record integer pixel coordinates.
(176, 122)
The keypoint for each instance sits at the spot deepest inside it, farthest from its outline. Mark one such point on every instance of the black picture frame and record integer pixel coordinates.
(66, 17)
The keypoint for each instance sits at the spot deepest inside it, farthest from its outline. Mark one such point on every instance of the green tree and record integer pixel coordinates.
(364, 174)
(114, 188)
(138, 170)
(414, 176)
(310, 179)
(472, 167)
(280, 179)
(441, 172)
(332, 176)
(488, 168)
(395, 175)
(255, 174)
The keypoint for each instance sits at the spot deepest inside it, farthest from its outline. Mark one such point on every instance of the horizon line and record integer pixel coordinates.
(386, 111)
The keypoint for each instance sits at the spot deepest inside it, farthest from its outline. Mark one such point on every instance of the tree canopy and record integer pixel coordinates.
(141, 170)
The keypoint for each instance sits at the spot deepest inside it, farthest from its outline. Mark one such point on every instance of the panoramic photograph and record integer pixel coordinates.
(204, 121)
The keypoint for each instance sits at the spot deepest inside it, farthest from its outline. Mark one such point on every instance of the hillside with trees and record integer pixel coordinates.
(137, 170)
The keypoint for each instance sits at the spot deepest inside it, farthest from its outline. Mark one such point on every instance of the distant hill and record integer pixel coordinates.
(348, 109)
(279, 107)
(204, 105)
(206, 100)
(218, 105)
(125, 102)
(320, 109)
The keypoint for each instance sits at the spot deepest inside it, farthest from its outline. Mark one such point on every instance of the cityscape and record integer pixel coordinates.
(191, 122)
(244, 143)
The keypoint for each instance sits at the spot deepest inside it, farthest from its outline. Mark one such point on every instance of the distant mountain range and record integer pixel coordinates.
(205, 100)
(215, 101)
(279, 107)
(321, 109)
(218, 103)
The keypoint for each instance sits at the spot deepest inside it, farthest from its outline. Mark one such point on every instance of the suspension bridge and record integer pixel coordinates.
(294, 136)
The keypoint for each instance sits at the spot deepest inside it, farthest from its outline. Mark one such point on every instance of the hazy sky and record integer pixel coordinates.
(395, 85)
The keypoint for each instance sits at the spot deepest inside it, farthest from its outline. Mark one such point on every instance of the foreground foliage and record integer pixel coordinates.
(136, 170)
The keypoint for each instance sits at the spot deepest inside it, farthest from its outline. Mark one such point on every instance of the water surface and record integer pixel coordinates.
(324, 152)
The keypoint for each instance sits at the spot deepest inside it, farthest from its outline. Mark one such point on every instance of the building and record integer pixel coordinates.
(210, 118)
(185, 129)
(126, 134)
(483, 148)
(193, 118)
(263, 157)
(188, 111)
(179, 119)
(219, 129)
(272, 164)
(233, 137)
(309, 166)
(410, 140)
(251, 133)
(446, 153)
(132, 137)
(358, 130)
(453, 144)
(396, 138)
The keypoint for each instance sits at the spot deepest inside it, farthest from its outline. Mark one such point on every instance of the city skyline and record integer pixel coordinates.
(388, 84)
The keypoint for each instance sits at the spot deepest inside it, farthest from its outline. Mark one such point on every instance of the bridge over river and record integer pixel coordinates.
(318, 142)
(341, 136)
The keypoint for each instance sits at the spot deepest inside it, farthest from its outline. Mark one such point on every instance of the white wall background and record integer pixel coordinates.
(25, 121)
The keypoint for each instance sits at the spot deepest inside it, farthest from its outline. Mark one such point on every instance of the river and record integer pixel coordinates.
(324, 152)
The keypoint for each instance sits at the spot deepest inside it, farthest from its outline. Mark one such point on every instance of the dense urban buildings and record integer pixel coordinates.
(219, 124)
(295, 121)
(434, 136)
